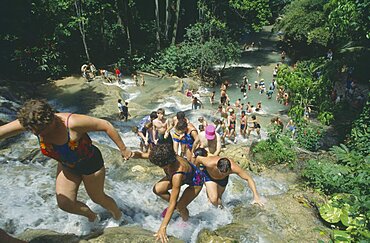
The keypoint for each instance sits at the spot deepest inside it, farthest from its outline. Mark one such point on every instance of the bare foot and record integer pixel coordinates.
(184, 213)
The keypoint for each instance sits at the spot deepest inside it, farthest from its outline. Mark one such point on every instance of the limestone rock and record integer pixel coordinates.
(128, 234)
(47, 236)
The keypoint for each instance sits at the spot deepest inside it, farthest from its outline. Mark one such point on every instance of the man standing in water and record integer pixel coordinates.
(160, 125)
(120, 109)
(216, 176)
(209, 140)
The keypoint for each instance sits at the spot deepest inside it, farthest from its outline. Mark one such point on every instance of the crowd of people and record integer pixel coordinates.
(189, 154)
(89, 72)
(186, 155)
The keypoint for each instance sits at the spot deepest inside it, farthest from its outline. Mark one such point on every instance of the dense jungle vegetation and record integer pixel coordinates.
(328, 42)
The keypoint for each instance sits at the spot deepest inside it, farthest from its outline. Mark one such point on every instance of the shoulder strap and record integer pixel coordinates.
(179, 172)
(67, 121)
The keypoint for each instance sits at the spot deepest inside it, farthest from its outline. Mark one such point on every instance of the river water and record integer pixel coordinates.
(27, 197)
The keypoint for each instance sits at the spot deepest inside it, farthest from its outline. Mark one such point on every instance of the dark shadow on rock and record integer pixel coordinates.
(84, 99)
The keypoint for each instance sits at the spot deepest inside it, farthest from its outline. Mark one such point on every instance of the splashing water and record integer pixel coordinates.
(27, 198)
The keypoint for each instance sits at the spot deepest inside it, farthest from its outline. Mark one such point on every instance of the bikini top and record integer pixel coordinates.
(187, 139)
(70, 153)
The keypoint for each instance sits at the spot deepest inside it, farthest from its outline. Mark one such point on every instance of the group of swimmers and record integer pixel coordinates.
(88, 71)
(188, 156)
(64, 137)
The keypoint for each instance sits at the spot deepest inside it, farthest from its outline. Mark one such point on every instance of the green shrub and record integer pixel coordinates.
(325, 117)
(309, 136)
(277, 151)
(327, 176)
(348, 212)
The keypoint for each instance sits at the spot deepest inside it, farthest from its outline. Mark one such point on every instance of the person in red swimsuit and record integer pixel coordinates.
(63, 137)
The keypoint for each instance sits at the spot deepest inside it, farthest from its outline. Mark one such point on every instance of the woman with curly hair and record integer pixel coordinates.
(178, 172)
(63, 137)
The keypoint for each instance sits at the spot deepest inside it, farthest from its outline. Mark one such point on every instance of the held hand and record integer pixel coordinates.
(161, 235)
(165, 135)
(258, 201)
(126, 154)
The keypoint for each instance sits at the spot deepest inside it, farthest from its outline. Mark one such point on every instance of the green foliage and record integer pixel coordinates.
(309, 136)
(350, 176)
(200, 51)
(360, 134)
(326, 117)
(311, 26)
(307, 88)
(341, 210)
(256, 12)
(304, 21)
(348, 19)
(278, 149)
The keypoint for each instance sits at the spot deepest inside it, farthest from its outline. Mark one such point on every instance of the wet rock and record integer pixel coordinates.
(130, 234)
(47, 236)
(126, 234)
(138, 168)
(229, 233)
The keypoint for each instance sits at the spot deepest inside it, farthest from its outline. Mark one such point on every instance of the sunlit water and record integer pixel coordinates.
(27, 198)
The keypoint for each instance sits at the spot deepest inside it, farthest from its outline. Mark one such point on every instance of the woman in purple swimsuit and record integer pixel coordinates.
(178, 172)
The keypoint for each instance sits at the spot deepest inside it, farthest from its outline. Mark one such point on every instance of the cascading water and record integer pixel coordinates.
(27, 198)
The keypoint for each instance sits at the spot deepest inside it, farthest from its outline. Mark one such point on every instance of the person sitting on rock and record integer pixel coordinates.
(216, 171)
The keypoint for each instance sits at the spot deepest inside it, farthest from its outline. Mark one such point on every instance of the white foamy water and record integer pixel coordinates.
(27, 198)
(28, 201)
(234, 65)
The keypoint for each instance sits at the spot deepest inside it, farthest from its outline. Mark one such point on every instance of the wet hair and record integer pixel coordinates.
(253, 117)
(126, 103)
(35, 114)
(153, 115)
(224, 165)
(180, 115)
(181, 125)
(161, 110)
(162, 155)
(119, 100)
(243, 112)
(200, 152)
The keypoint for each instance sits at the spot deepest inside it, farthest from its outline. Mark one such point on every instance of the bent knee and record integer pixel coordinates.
(155, 191)
(99, 199)
(63, 202)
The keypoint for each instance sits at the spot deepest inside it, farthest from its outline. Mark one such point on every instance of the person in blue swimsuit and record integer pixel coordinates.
(178, 172)
(216, 176)
(63, 137)
(185, 134)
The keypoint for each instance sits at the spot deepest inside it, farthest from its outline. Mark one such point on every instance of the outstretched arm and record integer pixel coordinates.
(84, 124)
(235, 168)
(176, 185)
(11, 129)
